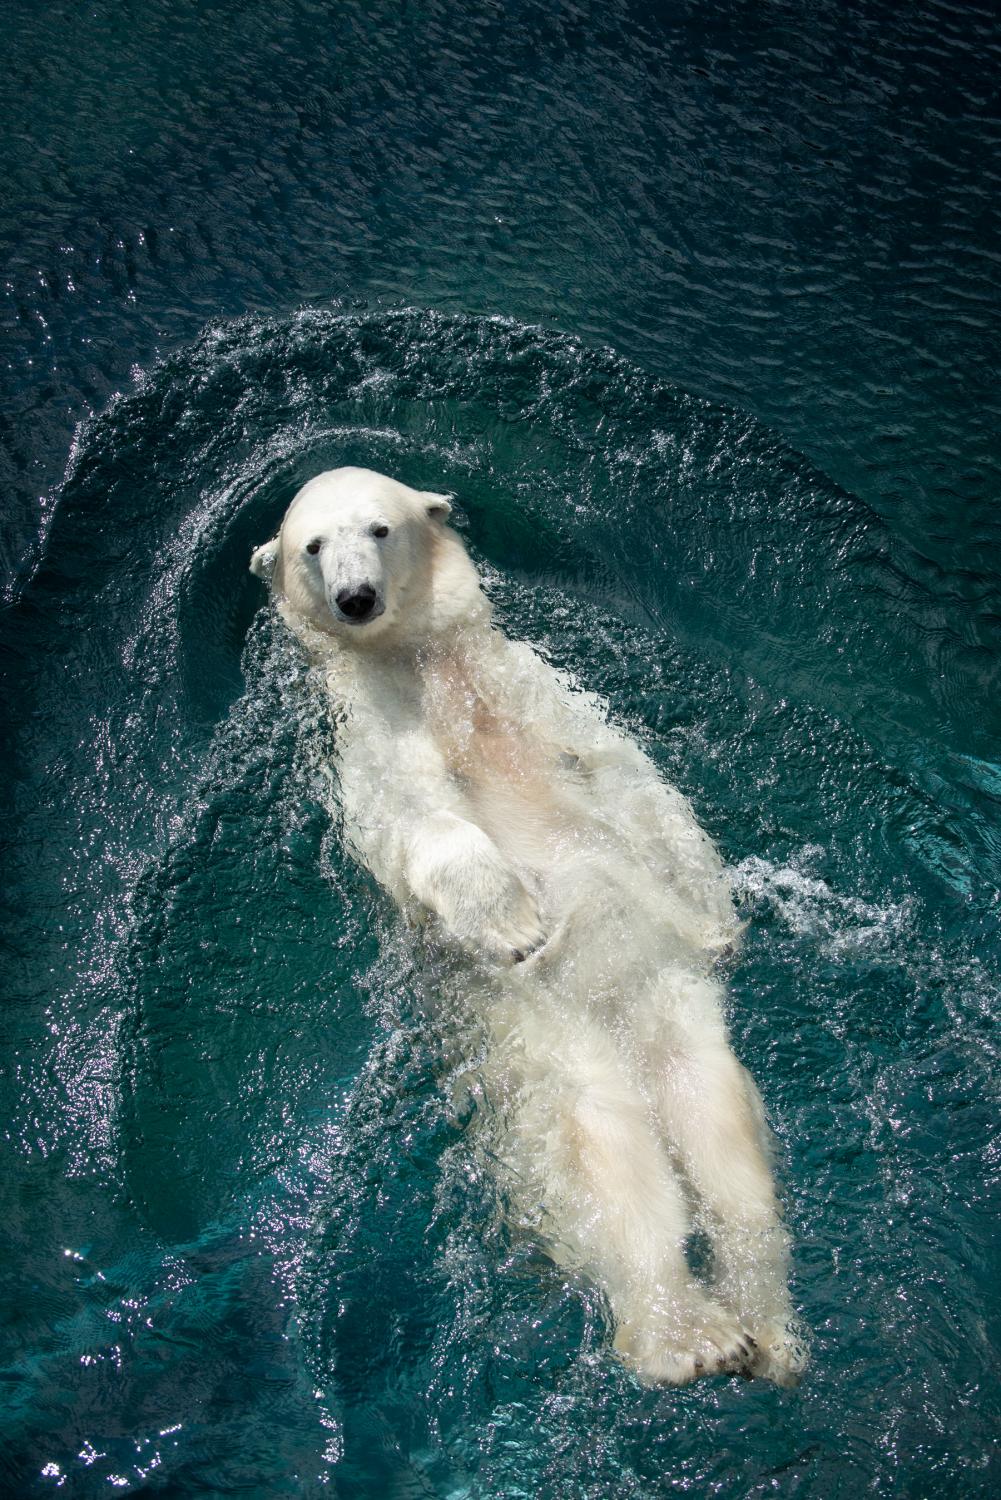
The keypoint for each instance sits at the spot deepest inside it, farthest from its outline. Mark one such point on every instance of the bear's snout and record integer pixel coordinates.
(357, 604)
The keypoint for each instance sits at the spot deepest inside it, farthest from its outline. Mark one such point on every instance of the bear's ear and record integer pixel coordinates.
(438, 507)
(263, 559)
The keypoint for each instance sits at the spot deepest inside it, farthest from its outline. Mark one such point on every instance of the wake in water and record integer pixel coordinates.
(251, 1098)
(485, 793)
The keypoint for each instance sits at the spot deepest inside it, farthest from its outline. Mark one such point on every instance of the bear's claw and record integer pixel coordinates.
(712, 1343)
(516, 940)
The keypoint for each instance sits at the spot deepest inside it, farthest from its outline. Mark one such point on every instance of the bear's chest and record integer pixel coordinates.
(480, 743)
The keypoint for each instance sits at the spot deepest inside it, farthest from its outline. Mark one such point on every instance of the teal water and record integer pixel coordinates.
(249, 1246)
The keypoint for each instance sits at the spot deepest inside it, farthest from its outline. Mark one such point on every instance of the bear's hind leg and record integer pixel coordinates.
(614, 1203)
(712, 1114)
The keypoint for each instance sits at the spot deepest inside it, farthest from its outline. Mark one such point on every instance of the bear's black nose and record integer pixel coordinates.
(356, 604)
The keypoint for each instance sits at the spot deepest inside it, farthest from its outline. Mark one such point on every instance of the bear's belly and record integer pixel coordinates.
(514, 795)
(543, 811)
(537, 808)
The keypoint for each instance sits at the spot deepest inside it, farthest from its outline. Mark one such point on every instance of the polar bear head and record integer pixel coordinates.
(361, 557)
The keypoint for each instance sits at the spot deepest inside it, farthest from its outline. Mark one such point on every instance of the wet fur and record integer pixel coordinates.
(493, 798)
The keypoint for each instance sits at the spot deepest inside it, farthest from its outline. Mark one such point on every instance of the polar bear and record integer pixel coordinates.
(492, 797)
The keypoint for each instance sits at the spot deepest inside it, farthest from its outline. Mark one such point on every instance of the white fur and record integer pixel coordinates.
(485, 792)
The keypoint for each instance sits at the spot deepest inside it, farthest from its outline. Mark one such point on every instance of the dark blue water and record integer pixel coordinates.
(695, 308)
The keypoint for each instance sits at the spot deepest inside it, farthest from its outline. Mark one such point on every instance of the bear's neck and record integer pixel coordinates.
(446, 596)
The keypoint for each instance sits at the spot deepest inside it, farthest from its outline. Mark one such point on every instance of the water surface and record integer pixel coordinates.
(692, 309)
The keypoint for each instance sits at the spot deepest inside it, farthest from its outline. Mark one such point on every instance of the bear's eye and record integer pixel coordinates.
(312, 548)
(380, 530)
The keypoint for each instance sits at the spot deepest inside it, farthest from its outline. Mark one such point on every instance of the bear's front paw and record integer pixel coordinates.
(511, 937)
(457, 872)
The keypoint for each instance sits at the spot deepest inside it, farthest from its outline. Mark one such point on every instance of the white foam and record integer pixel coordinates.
(841, 925)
